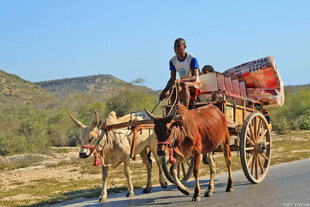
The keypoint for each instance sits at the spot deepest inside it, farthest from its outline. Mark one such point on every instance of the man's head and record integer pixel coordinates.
(179, 46)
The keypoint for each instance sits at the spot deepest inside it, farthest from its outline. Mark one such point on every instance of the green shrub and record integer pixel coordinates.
(295, 114)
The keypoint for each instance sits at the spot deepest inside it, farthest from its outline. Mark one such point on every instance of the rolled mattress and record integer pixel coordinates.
(263, 81)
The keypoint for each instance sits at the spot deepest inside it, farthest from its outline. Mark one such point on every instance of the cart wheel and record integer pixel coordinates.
(255, 147)
(184, 169)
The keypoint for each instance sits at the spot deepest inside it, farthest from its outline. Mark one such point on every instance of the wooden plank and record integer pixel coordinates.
(235, 85)
(220, 82)
(131, 123)
(242, 89)
(228, 84)
(208, 82)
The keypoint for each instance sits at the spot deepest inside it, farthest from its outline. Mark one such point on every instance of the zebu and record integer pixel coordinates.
(192, 133)
(114, 149)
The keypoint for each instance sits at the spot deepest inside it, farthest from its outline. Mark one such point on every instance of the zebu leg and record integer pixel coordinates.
(162, 180)
(148, 164)
(128, 176)
(104, 194)
(196, 196)
(210, 160)
(227, 156)
(178, 183)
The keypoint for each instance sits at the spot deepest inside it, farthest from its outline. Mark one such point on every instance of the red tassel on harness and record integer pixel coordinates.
(96, 161)
(172, 160)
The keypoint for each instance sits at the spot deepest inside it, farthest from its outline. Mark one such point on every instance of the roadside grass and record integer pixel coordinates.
(22, 163)
(286, 148)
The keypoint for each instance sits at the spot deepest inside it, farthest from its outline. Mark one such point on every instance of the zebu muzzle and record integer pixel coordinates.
(84, 153)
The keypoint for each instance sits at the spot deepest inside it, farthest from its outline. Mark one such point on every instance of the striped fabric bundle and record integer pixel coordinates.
(263, 81)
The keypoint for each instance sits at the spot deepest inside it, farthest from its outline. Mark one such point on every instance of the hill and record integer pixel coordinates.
(97, 84)
(16, 89)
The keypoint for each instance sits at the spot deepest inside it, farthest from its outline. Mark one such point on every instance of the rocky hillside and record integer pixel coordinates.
(16, 89)
(97, 84)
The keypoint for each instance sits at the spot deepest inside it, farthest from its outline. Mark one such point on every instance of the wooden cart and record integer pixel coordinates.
(246, 120)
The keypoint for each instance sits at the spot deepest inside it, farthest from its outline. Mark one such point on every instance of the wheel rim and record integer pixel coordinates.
(184, 169)
(255, 149)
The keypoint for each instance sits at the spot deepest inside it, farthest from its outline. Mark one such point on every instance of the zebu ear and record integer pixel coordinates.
(96, 119)
(149, 114)
(78, 123)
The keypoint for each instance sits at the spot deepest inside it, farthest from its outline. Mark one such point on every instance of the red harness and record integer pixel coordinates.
(92, 148)
(170, 144)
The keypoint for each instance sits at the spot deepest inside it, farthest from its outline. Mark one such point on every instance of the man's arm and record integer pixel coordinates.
(170, 83)
(194, 73)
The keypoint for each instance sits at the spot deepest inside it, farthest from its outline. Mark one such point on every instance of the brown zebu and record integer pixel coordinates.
(192, 133)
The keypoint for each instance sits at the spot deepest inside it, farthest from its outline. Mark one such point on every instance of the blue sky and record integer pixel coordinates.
(53, 39)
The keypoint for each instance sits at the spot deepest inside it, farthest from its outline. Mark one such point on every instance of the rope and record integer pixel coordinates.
(156, 106)
(176, 97)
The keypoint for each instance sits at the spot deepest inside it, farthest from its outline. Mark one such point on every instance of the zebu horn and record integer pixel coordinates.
(149, 114)
(78, 123)
(96, 119)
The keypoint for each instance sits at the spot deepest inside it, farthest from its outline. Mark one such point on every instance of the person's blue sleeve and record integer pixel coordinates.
(194, 63)
(171, 66)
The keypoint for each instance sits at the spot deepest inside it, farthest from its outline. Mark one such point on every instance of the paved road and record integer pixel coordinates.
(286, 185)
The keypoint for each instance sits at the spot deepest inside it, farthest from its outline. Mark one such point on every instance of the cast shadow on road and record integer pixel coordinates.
(154, 200)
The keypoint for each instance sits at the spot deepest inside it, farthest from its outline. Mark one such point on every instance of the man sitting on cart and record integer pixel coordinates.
(186, 65)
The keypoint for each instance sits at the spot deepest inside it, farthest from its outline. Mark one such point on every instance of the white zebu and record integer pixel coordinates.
(116, 148)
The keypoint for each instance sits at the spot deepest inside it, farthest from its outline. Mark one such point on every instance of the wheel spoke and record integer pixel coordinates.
(189, 163)
(259, 129)
(256, 167)
(253, 160)
(254, 122)
(251, 132)
(260, 164)
(178, 170)
(250, 141)
(249, 148)
(249, 160)
(264, 156)
(263, 134)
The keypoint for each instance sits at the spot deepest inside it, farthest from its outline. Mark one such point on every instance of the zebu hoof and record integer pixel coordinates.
(208, 193)
(102, 199)
(164, 186)
(130, 194)
(229, 189)
(146, 190)
(197, 198)
(184, 191)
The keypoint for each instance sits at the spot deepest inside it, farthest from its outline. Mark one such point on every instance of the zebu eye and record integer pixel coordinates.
(169, 131)
(91, 139)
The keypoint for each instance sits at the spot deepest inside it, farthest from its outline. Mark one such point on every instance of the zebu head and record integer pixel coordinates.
(165, 130)
(88, 134)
